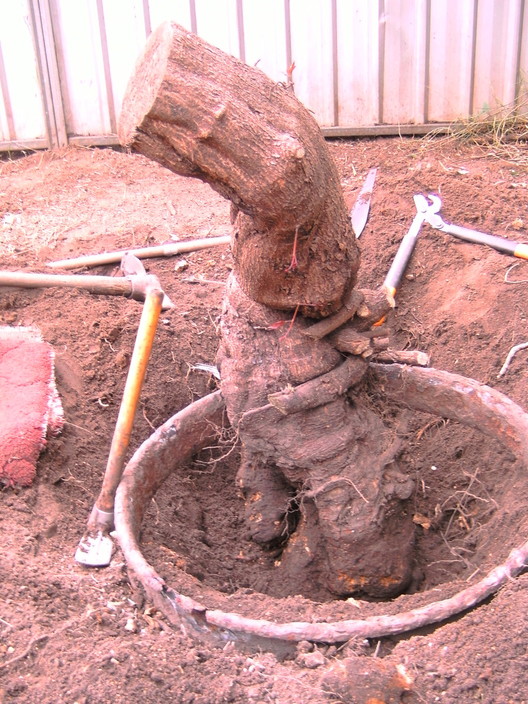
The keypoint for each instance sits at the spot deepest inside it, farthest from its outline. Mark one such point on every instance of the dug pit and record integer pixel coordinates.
(217, 582)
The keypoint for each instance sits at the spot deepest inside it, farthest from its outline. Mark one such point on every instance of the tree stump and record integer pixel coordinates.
(202, 113)
(321, 481)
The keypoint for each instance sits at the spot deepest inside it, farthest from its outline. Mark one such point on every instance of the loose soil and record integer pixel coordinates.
(72, 634)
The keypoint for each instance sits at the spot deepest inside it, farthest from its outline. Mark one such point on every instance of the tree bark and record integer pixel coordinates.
(334, 460)
(202, 113)
(318, 471)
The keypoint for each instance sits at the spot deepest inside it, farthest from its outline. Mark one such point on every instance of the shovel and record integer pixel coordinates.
(96, 546)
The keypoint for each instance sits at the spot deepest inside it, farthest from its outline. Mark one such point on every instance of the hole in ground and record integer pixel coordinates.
(467, 509)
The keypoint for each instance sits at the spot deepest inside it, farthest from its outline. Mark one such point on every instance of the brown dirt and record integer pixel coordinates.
(71, 634)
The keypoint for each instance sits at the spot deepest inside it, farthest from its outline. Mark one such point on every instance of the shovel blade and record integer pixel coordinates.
(360, 211)
(95, 550)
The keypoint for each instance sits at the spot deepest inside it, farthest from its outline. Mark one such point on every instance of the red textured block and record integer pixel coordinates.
(30, 407)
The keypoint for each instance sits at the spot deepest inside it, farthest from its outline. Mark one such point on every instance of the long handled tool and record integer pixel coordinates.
(131, 286)
(501, 244)
(162, 250)
(96, 546)
(408, 243)
(405, 250)
(427, 210)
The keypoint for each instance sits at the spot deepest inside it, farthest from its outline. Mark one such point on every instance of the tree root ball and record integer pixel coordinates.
(173, 444)
(322, 481)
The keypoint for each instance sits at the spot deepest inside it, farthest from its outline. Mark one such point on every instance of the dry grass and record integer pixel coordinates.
(502, 132)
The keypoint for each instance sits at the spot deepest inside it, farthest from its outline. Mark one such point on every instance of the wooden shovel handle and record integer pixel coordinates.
(129, 402)
(114, 286)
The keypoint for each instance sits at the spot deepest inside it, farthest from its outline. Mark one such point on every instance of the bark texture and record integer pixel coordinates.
(318, 471)
(202, 113)
(333, 461)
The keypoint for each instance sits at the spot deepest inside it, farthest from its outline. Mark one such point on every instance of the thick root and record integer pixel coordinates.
(267, 501)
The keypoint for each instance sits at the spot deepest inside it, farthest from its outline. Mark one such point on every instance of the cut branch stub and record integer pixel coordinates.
(202, 113)
(320, 390)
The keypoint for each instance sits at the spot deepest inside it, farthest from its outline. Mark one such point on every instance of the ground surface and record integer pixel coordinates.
(70, 634)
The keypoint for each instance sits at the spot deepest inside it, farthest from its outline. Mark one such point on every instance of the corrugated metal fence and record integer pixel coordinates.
(362, 66)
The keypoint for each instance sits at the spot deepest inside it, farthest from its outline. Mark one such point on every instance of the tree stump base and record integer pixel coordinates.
(323, 481)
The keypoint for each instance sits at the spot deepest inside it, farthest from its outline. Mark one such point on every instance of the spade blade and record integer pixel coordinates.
(360, 211)
(95, 550)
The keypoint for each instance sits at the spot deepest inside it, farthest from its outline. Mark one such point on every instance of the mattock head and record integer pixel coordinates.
(132, 265)
(142, 283)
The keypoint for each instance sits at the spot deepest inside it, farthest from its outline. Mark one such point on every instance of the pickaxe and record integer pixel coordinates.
(96, 547)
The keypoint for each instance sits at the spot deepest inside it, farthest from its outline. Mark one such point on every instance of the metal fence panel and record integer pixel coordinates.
(498, 42)
(158, 11)
(358, 52)
(404, 60)
(522, 87)
(266, 37)
(361, 66)
(125, 33)
(311, 50)
(81, 66)
(216, 22)
(21, 113)
(451, 56)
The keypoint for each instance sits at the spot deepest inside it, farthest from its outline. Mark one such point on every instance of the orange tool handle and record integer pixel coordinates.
(501, 244)
(127, 411)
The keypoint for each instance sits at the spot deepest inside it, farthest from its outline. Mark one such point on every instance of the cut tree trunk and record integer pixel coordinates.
(318, 471)
(202, 113)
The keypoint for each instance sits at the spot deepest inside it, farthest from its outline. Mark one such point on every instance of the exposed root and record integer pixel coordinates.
(27, 650)
(457, 551)
(41, 639)
(330, 485)
(321, 390)
(414, 357)
(429, 426)
(259, 632)
(507, 280)
(461, 499)
(511, 355)
(226, 444)
(324, 327)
